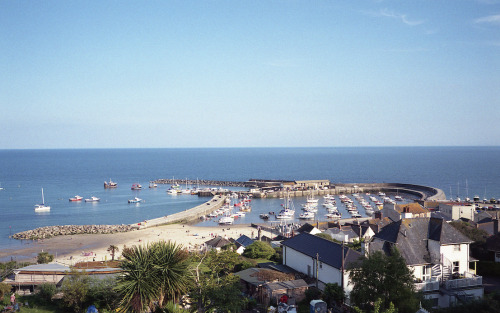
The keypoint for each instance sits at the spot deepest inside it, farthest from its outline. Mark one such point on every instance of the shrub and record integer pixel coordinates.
(46, 291)
(259, 250)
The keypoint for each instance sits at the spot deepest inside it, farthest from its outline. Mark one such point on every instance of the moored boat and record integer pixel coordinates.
(42, 207)
(92, 199)
(110, 184)
(136, 186)
(76, 198)
(135, 200)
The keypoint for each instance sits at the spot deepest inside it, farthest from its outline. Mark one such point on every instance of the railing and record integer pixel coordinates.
(430, 285)
(469, 280)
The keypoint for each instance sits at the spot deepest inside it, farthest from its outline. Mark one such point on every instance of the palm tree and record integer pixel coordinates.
(153, 273)
(172, 265)
(113, 249)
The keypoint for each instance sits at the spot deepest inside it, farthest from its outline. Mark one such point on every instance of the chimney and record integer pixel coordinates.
(259, 234)
(378, 214)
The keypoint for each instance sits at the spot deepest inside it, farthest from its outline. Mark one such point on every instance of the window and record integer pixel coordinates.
(426, 272)
(456, 267)
(456, 248)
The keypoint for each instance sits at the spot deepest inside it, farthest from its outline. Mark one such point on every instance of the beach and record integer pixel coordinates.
(72, 249)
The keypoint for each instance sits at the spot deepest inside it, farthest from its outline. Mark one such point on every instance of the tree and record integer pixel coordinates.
(102, 293)
(153, 273)
(387, 277)
(112, 249)
(377, 307)
(333, 294)
(44, 258)
(4, 289)
(259, 250)
(75, 288)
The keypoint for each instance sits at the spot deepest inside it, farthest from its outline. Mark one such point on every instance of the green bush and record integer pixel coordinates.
(259, 250)
(46, 291)
(488, 268)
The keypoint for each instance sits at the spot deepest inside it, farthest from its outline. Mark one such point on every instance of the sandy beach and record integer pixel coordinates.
(71, 249)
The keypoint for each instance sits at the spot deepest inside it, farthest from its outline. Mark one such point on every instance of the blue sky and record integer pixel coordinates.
(115, 74)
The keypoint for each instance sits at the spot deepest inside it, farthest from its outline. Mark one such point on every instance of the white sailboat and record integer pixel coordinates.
(42, 207)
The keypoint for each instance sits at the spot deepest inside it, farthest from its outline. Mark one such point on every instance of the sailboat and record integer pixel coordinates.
(42, 207)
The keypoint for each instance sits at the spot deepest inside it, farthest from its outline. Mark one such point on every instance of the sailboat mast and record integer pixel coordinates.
(43, 199)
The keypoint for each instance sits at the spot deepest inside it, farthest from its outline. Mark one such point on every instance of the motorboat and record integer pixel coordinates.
(92, 199)
(152, 185)
(42, 207)
(76, 198)
(333, 215)
(398, 198)
(110, 184)
(226, 220)
(135, 200)
(136, 187)
(264, 216)
(172, 191)
(307, 215)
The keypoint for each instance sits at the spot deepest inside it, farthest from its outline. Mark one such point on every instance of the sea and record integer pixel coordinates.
(458, 171)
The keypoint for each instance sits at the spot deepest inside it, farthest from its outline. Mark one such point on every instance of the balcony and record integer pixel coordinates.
(463, 281)
(428, 285)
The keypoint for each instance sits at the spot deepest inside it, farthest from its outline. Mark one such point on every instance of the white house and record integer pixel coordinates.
(457, 211)
(438, 255)
(320, 258)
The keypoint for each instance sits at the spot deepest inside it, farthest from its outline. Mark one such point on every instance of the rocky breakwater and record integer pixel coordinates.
(52, 231)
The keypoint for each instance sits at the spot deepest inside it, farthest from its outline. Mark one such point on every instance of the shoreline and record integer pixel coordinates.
(71, 249)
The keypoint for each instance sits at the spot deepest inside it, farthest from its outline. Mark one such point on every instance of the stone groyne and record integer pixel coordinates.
(52, 231)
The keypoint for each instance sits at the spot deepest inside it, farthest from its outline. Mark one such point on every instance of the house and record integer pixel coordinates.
(410, 210)
(308, 228)
(493, 246)
(341, 234)
(26, 279)
(438, 256)
(320, 258)
(216, 243)
(241, 243)
(349, 232)
(458, 210)
(312, 184)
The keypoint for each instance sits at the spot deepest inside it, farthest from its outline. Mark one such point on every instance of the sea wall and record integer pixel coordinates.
(52, 231)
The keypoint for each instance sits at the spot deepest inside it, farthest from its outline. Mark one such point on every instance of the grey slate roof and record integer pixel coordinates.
(217, 242)
(51, 267)
(410, 237)
(328, 252)
(243, 241)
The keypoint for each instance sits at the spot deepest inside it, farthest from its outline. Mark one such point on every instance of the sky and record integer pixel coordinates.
(225, 73)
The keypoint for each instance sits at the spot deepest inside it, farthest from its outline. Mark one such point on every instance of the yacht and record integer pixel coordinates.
(42, 207)
(307, 215)
(135, 200)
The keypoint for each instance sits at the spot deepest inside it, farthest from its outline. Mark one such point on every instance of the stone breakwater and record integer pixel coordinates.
(52, 231)
(203, 182)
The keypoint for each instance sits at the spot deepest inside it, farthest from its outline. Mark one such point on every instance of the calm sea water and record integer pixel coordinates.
(460, 171)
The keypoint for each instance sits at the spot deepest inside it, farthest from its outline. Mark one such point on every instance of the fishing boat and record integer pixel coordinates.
(135, 200)
(76, 198)
(136, 186)
(42, 207)
(92, 199)
(110, 184)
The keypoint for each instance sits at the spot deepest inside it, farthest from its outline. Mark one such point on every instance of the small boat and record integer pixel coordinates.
(172, 191)
(152, 185)
(307, 215)
(92, 199)
(226, 220)
(110, 184)
(333, 215)
(136, 187)
(76, 198)
(42, 207)
(264, 216)
(398, 198)
(135, 200)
